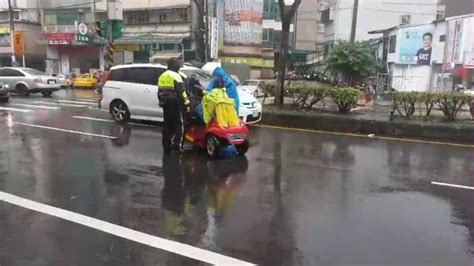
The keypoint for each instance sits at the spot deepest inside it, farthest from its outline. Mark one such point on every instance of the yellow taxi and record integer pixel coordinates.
(85, 81)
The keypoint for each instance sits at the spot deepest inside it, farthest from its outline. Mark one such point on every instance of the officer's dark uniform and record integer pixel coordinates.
(174, 100)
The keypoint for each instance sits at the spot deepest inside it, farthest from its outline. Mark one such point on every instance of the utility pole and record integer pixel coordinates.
(12, 31)
(206, 28)
(110, 37)
(355, 11)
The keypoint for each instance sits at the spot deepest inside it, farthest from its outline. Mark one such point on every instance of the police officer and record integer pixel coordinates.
(174, 101)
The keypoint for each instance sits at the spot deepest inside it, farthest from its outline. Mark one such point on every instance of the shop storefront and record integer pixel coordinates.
(65, 55)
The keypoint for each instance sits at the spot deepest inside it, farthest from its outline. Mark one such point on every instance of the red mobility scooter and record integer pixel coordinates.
(218, 142)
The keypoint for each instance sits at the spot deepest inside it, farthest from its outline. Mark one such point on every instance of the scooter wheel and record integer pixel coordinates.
(213, 145)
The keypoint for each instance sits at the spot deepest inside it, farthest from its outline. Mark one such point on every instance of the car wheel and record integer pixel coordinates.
(22, 90)
(120, 112)
(213, 145)
(47, 93)
(243, 148)
(5, 100)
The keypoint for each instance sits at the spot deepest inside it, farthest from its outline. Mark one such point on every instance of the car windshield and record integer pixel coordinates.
(250, 83)
(33, 72)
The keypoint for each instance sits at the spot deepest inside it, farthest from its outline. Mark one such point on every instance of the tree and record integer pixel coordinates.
(287, 14)
(351, 60)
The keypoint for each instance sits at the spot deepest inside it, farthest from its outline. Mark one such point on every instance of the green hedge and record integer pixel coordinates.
(307, 95)
(450, 103)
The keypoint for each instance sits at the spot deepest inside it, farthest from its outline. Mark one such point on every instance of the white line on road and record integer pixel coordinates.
(89, 100)
(123, 232)
(15, 110)
(451, 185)
(107, 120)
(61, 104)
(36, 106)
(76, 102)
(65, 130)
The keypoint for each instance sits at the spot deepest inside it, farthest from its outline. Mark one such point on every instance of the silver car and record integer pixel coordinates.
(24, 81)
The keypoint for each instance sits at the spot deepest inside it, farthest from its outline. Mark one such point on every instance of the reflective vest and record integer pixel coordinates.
(166, 85)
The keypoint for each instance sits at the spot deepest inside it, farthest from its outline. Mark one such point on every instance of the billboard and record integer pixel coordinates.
(416, 45)
(243, 22)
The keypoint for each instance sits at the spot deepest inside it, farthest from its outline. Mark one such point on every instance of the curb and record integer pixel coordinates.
(453, 132)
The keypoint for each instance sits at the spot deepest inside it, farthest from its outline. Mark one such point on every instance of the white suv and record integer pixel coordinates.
(131, 92)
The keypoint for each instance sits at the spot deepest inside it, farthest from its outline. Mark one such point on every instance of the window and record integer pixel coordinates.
(5, 15)
(137, 17)
(267, 6)
(405, 20)
(442, 38)
(392, 44)
(183, 15)
(321, 28)
(440, 14)
(11, 73)
(144, 75)
(168, 47)
(163, 17)
(267, 35)
(118, 75)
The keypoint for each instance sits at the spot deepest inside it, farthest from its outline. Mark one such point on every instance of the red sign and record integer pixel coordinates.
(60, 38)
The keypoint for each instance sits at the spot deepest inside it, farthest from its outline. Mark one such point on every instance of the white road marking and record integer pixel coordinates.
(89, 100)
(451, 185)
(15, 110)
(36, 106)
(123, 232)
(76, 102)
(107, 120)
(61, 104)
(65, 130)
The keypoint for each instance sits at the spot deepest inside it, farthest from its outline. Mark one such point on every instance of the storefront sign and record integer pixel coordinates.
(82, 33)
(127, 47)
(4, 30)
(416, 45)
(59, 38)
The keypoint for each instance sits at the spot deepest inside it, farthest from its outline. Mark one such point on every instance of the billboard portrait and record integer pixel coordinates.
(416, 45)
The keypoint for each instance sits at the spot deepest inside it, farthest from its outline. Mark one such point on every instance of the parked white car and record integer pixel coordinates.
(130, 92)
(252, 87)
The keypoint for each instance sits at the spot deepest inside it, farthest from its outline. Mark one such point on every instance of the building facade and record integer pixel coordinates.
(430, 57)
(458, 7)
(309, 31)
(27, 21)
(156, 30)
(372, 15)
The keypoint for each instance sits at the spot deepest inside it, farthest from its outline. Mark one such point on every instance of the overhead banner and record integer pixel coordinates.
(416, 45)
(243, 22)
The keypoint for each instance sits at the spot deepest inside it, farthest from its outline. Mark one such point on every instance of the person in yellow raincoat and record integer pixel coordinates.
(217, 104)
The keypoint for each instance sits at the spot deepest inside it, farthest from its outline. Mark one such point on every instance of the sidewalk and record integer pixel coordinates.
(372, 120)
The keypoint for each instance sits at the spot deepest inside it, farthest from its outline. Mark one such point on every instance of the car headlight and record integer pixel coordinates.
(6, 86)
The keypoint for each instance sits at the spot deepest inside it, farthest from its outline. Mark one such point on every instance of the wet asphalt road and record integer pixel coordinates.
(296, 198)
